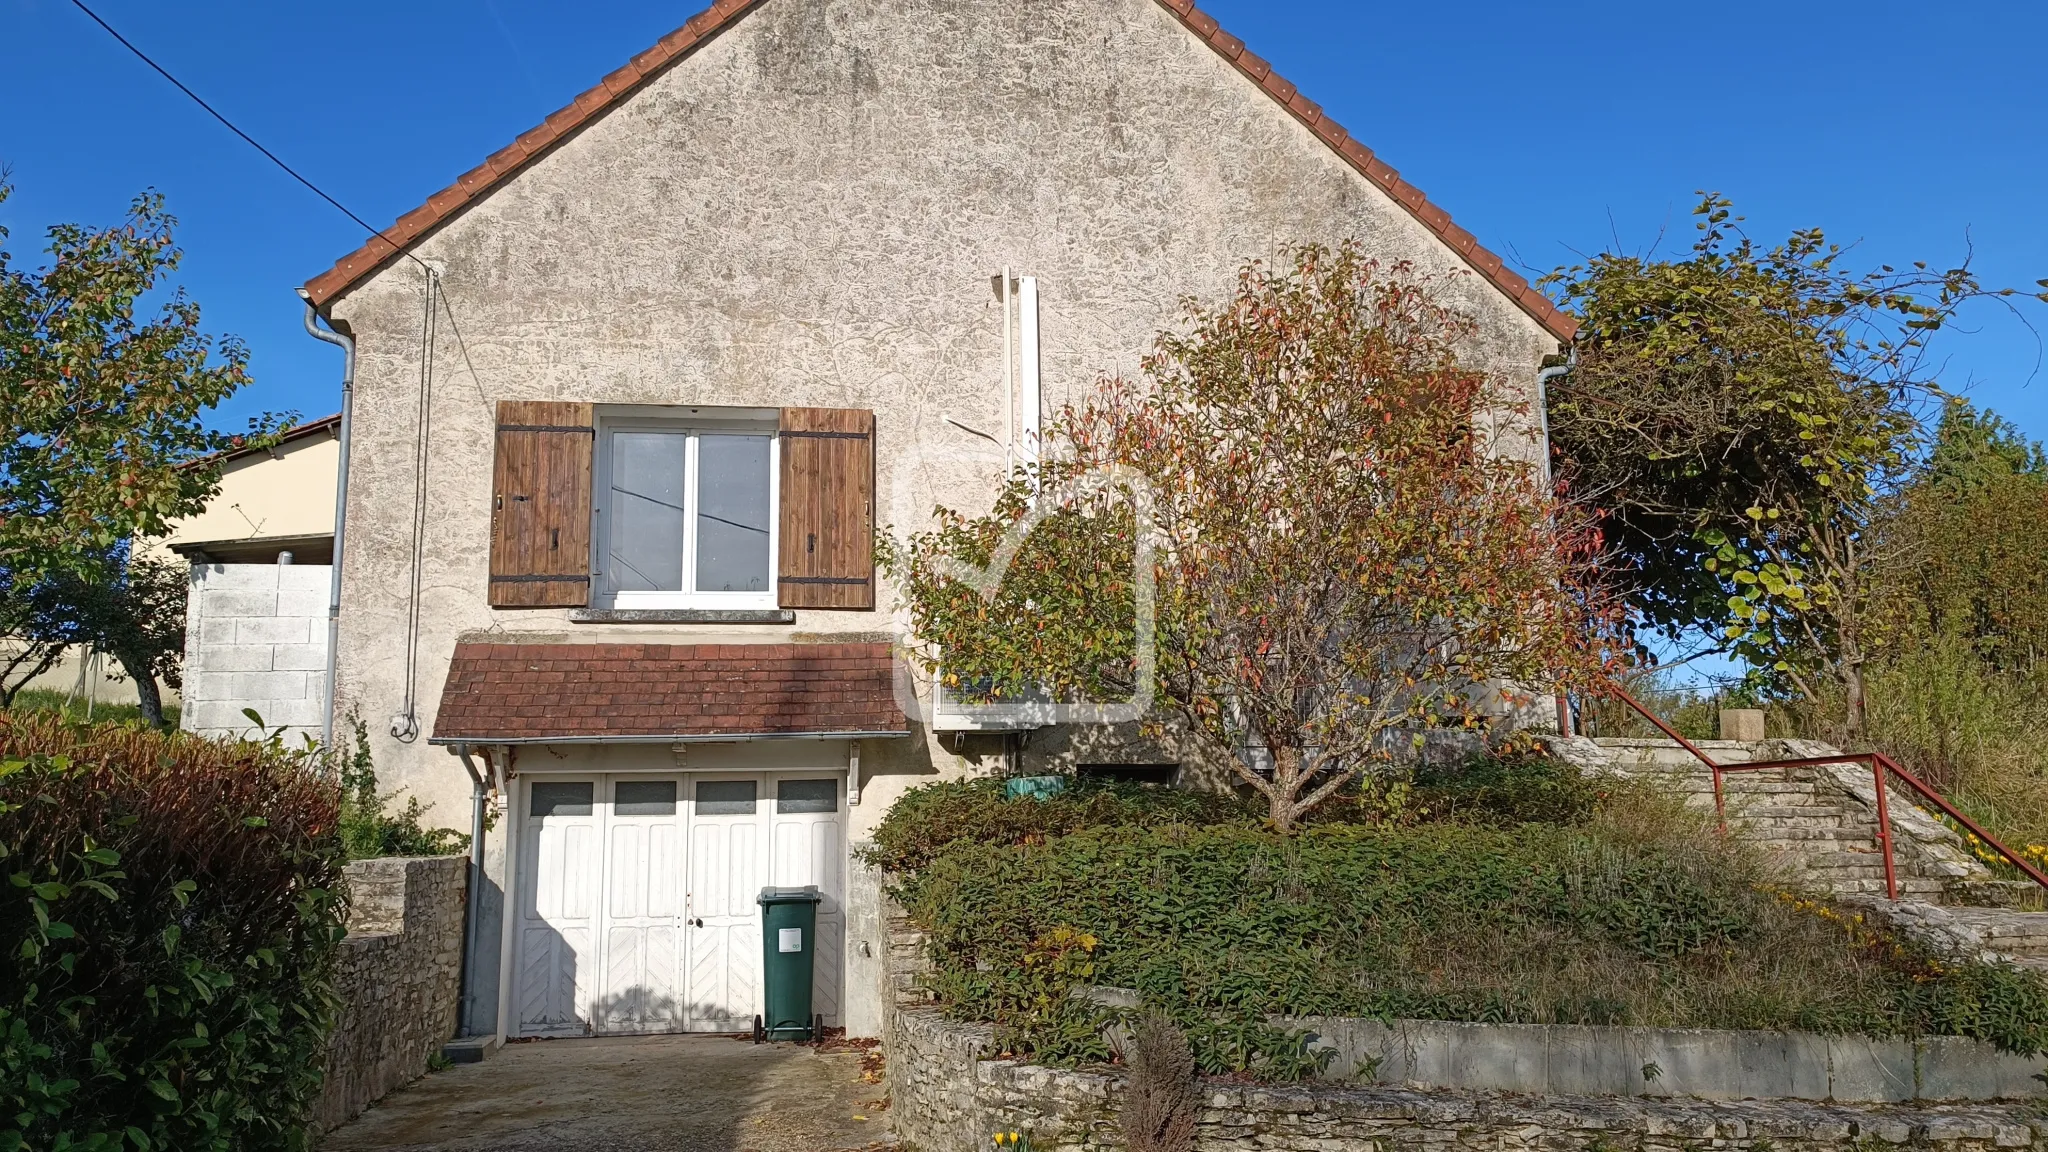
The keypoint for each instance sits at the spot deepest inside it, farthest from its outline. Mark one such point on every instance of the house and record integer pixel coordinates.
(256, 617)
(633, 398)
(273, 499)
(256, 622)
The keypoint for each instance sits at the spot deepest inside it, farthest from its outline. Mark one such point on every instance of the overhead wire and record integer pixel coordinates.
(288, 170)
(251, 141)
(421, 432)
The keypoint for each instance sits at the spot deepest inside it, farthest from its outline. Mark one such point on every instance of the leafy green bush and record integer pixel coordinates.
(1629, 913)
(1506, 789)
(1501, 789)
(370, 828)
(929, 819)
(169, 914)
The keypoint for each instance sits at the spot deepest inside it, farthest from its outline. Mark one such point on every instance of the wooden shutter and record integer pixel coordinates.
(540, 506)
(828, 509)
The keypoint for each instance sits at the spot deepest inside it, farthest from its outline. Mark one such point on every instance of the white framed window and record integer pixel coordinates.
(686, 512)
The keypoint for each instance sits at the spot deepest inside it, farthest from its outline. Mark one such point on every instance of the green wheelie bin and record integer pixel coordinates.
(789, 920)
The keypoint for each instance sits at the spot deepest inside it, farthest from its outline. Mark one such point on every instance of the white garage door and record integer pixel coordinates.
(636, 898)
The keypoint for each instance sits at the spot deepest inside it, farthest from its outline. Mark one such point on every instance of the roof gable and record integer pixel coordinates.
(619, 85)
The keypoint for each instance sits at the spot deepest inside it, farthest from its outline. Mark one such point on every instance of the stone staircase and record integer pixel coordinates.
(1820, 825)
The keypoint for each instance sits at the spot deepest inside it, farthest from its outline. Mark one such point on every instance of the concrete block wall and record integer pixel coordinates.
(256, 637)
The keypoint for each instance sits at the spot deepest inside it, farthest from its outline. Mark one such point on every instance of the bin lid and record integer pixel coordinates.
(807, 895)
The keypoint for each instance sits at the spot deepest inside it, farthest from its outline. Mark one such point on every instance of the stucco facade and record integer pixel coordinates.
(807, 211)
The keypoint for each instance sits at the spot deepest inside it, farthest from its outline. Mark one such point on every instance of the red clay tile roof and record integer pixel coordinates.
(704, 25)
(499, 693)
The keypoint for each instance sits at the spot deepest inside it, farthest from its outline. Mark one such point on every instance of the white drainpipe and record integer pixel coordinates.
(348, 404)
(1030, 402)
(1543, 379)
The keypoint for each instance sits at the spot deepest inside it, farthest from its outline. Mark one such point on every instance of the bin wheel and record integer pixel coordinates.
(760, 1032)
(818, 1028)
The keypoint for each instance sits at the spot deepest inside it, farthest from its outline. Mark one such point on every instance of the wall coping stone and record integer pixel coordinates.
(1699, 1063)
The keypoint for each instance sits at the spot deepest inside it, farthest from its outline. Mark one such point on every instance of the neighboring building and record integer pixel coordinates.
(256, 616)
(275, 505)
(272, 500)
(683, 349)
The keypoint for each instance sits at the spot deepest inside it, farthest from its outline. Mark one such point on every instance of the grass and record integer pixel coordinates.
(74, 708)
(1980, 737)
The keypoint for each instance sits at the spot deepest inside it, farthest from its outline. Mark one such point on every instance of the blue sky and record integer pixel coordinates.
(1549, 130)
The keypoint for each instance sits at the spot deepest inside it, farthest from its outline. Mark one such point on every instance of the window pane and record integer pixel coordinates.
(646, 529)
(644, 798)
(732, 513)
(807, 796)
(562, 798)
(725, 798)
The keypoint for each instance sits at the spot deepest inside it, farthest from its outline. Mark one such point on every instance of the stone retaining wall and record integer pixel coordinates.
(398, 977)
(945, 1098)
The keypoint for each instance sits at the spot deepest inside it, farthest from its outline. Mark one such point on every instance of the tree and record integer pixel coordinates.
(1743, 415)
(1974, 449)
(130, 607)
(105, 441)
(1339, 557)
(1967, 545)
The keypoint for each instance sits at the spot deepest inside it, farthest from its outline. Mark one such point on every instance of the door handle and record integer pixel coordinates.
(697, 923)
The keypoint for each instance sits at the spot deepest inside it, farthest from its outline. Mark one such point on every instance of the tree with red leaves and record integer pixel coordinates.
(1346, 549)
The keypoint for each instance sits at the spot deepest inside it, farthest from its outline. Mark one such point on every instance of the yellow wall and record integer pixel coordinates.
(288, 491)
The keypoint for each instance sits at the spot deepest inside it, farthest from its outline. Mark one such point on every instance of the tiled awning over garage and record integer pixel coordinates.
(585, 693)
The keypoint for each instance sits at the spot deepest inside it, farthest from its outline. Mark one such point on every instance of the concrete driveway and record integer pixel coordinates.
(653, 1094)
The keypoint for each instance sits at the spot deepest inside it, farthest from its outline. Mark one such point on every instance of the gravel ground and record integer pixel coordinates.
(654, 1093)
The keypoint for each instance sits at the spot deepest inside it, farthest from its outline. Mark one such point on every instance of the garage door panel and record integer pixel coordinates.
(742, 871)
(664, 872)
(580, 854)
(807, 852)
(559, 865)
(621, 998)
(722, 977)
(825, 860)
(627, 883)
(662, 1008)
(537, 985)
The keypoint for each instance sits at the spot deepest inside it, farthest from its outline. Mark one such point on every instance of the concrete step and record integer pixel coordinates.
(2020, 895)
(2019, 934)
(1764, 819)
(1910, 887)
(1818, 839)
(1734, 785)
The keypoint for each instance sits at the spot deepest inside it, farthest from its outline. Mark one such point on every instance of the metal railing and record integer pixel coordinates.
(1881, 768)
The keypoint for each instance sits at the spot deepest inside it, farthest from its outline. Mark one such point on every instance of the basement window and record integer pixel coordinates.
(1164, 774)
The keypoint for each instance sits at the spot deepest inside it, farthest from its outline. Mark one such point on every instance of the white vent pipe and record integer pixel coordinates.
(1030, 401)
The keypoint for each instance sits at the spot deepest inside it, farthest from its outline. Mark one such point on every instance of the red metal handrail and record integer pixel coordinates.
(1880, 766)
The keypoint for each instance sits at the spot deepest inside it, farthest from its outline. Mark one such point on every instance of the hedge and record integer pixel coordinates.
(169, 918)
